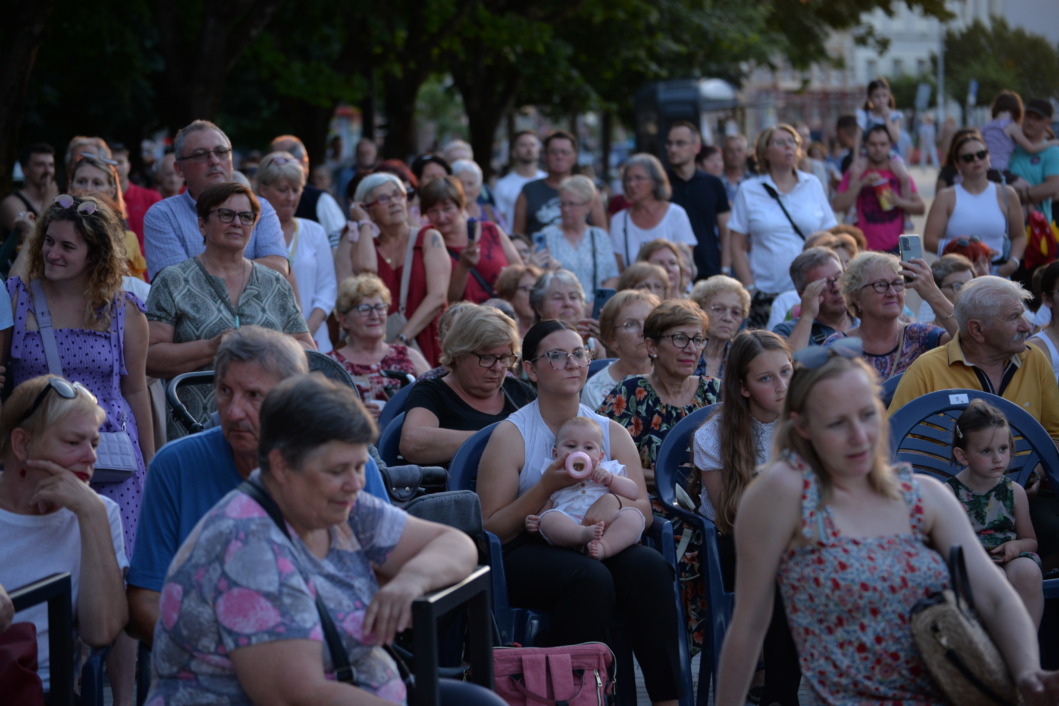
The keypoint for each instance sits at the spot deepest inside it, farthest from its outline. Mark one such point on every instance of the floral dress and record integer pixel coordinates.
(916, 339)
(849, 601)
(370, 382)
(992, 514)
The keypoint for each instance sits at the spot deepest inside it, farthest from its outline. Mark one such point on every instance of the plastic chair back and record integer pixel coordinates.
(57, 591)
(395, 406)
(390, 441)
(329, 368)
(463, 471)
(889, 387)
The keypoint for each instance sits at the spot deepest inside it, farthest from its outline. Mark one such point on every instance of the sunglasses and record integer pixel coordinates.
(64, 389)
(85, 208)
(813, 357)
(966, 240)
(972, 156)
(99, 158)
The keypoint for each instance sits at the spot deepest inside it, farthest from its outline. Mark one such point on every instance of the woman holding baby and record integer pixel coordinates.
(522, 469)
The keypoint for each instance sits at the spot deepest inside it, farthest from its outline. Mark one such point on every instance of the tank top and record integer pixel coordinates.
(978, 214)
(539, 440)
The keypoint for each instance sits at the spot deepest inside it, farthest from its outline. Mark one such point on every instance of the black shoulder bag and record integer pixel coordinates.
(774, 194)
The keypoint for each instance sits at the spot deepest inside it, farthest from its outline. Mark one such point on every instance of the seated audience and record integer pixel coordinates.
(557, 294)
(573, 244)
(727, 304)
(950, 273)
(669, 257)
(621, 329)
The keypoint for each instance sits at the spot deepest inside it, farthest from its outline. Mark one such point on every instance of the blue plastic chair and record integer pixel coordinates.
(523, 625)
(921, 434)
(389, 445)
(672, 466)
(889, 387)
(397, 404)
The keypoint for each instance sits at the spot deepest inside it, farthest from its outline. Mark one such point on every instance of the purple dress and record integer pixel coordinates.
(89, 358)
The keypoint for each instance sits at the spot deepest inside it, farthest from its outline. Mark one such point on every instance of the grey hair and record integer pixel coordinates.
(276, 352)
(855, 277)
(808, 260)
(195, 126)
(650, 164)
(982, 297)
(275, 166)
(480, 328)
(545, 282)
(466, 165)
(373, 181)
(580, 186)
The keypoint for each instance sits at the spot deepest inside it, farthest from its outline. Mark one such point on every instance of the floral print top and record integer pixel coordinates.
(635, 405)
(992, 514)
(917, 339)
(849, 602)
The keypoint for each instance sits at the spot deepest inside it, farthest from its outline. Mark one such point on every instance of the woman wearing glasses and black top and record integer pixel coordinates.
(515, 480)
(976, 206)
(478, 390)
(193, 304)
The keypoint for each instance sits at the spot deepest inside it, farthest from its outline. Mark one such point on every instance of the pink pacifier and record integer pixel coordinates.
(579, 465)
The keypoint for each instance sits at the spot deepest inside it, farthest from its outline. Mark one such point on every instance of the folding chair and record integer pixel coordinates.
(390, 439)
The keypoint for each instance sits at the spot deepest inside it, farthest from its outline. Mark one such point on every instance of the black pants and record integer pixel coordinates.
(584, 595)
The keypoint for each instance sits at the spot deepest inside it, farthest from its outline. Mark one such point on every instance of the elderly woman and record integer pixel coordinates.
(621, 330)
(831, 504)
(470, 176)
(518, 474)
(573, 244)
(443, 413)
(50, 520)
(557, 294)
(651, 404)
(669, 257)
(414, 266)
(479, 249)
(239, 618)
(727, 303)
(361, 311)
(194, 303)
(772, 215)
(281, 179)
(514, 285)
(874, 289)
(650, 215)
(647, 276)
(976, 206)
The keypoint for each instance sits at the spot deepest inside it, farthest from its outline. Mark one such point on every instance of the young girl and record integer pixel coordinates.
(997, 506)
(1004, 131)
(880, 109)
(562, 523)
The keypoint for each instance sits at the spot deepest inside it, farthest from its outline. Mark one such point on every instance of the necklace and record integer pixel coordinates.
(222, 291)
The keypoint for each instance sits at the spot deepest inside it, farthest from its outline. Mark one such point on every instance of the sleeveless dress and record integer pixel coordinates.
(87, 357)
(369, 379)
(849, 601)
(992, 514)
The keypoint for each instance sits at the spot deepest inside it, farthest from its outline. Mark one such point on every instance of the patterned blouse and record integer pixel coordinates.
(917, 339)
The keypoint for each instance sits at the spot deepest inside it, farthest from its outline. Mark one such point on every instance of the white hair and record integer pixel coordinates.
(466, 165)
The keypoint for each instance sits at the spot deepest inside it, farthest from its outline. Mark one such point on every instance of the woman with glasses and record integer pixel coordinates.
(651, 404)
(193, 304)
(831, 507)
(621, 330)
(479, 249)
(514, 285)
(976, 206)
(557, 294)
(280, 179)
(874, 289)
(479, 352)
(413, 265)
(650, 215)
(573, 244)
(50, 520)
(361, 312)
(727, 303)
(517, 476)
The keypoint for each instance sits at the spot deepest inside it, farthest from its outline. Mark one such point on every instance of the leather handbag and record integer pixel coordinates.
(577, 675)
(958, 652)
(19, 681)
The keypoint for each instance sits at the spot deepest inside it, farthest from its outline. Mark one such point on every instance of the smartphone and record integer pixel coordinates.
(603, 295)
(911, 248)
(539, 244)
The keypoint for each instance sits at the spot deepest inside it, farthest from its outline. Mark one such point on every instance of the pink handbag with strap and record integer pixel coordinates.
(576, 675)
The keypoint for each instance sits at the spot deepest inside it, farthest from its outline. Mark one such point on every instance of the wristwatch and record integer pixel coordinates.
(402, 338)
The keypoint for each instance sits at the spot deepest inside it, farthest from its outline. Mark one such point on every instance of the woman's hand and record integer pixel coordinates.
(555, 476)
(470, 255)
(61, 488)
(357, 213)
(1039, 688)
(588, 328)
(922, 279)
(1004, 553)
(390, 611)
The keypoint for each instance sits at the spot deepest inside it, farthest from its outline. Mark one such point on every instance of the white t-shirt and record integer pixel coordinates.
(706, 450)
(311, 260)
(628, 238)
(33, 547)
(598, 387)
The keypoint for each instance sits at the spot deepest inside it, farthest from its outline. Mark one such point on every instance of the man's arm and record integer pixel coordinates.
(162, 242)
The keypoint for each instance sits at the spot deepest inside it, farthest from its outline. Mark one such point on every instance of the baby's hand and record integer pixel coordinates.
(602, 475)
(533, 523)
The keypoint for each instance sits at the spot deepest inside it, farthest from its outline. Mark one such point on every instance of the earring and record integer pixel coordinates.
(22, 473)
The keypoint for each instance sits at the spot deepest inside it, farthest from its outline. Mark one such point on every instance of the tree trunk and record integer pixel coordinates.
(399, 97)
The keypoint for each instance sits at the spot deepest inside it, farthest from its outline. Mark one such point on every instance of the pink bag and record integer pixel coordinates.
(577, 675)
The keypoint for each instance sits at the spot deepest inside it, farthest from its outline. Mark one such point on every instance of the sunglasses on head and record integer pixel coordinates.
(966, 240)
(813, 357)
(85, 208)
(972, 156)
(64, 389)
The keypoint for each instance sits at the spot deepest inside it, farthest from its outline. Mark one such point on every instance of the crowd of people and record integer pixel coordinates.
(768, 285)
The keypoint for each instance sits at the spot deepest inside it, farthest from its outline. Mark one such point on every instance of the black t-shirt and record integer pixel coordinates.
(453, 413)
(703, 197)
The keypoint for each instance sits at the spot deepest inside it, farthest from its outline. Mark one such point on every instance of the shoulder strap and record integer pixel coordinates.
(628, 261)
(344, 671)
(47, 333)
(773, 193)
(406, 273)
(595, 264)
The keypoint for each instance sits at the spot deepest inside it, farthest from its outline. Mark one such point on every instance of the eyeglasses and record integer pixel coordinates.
(204, 155)
(832, 282)
(633, 326)
(558, 359)
(813, 357)
(970, 157)
(527, 288)
(85, 208)
(487, 360)
(965, 241)
(681, 340)
(387, 199)
(366, 309)
(227, 215)
(898, 285)
(64, 389)
(720, 310)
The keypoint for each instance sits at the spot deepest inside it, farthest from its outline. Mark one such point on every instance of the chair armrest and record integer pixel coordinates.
(474, 591)
(58, 592)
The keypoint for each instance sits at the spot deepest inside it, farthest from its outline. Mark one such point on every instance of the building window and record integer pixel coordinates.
(873, 69)
(899, 67)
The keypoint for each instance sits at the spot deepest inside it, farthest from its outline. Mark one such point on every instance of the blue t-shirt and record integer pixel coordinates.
(1036, 168)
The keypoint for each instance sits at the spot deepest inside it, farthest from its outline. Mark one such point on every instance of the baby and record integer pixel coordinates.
(562, 522)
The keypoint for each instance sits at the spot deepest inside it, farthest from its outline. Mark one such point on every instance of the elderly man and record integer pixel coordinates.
(189, 476)
(815, 273)
(315, 204)
(38, 189)
(171, 226)
(989, 353)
